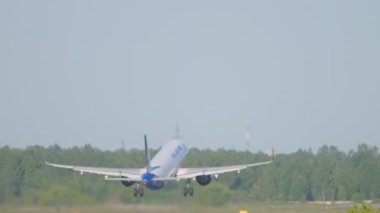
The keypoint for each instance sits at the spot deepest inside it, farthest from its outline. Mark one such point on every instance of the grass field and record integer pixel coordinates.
(184, 208)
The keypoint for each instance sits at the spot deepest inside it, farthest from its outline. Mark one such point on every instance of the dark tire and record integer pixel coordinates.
(135, 192)
(141, 192)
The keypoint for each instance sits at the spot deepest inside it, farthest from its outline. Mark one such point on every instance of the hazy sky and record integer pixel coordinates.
(299, 74)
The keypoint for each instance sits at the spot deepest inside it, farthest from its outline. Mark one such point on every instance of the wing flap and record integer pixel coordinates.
(184, 173)
(124, 172)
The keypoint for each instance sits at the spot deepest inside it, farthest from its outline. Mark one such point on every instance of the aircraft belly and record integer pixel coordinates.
(155, 185)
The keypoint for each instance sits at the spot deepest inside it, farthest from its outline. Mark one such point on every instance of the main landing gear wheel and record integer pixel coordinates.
(188, 190)
(138, 192)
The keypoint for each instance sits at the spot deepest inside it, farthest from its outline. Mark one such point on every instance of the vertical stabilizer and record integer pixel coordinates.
(147, 155)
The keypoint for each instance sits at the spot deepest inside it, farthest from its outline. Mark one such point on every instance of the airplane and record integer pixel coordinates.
(164, 167)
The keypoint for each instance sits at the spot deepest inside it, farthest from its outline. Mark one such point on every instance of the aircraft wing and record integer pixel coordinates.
(184, 173)
(127, 173)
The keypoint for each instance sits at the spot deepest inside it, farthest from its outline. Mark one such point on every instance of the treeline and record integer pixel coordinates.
(328, 174)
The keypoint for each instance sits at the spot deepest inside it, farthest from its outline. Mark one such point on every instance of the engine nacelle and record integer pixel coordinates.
(127, 183)
(203, 180)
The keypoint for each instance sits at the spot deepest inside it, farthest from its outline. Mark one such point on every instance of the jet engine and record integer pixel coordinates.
(127, 183)
(204, 180)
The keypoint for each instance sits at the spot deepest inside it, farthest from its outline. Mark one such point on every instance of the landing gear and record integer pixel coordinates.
(188, 190)
(138, 191)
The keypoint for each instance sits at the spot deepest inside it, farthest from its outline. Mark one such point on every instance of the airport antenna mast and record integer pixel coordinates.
(247, 139)
(177, 132)
(123, 144)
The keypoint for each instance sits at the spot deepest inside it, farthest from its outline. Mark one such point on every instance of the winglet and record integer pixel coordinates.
(147, 155)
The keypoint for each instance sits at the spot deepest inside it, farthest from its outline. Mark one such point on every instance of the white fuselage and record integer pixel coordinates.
(164, 164)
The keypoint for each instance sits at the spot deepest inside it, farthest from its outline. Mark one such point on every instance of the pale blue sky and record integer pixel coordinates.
(299, 74)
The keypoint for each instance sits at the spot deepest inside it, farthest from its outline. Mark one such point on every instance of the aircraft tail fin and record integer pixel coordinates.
(147, 155)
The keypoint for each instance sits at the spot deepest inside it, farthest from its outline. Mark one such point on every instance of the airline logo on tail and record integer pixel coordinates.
(177, 151)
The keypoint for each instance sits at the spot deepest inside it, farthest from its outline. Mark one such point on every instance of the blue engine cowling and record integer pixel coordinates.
(204, 180)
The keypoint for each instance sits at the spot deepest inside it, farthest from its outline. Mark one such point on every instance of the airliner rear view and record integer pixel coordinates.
(164, 167)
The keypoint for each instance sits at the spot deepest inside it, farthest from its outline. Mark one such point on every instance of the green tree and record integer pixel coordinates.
(215, 194)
